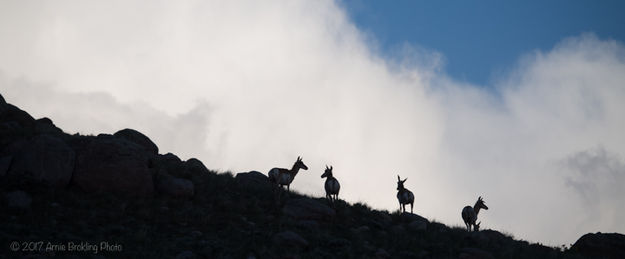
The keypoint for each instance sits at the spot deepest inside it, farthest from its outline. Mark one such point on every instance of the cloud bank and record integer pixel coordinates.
(250, 86)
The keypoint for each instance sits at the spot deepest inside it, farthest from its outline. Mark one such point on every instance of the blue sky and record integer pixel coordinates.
(482, 40)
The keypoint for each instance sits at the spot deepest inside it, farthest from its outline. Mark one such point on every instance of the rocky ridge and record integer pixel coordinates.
(117, 189)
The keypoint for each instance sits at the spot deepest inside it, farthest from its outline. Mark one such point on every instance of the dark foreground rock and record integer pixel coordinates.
(113, 165)
(601, 245)
(18, 199)
(290, 239)
(139, 139)
(174, 186)
(252, 177)
(303, 208)
(45, 159)
(201, 214)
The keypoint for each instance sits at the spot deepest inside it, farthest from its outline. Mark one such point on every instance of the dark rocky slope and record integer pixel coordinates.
(115, 196)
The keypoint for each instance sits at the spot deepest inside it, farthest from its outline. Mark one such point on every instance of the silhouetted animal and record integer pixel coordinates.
(469, 214)
(332, 185)
(404, 196)
(282, 176)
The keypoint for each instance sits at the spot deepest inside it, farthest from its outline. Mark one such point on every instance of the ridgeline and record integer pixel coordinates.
(115, 196)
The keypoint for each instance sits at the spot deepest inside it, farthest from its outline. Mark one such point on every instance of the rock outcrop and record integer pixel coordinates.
(601, 245)
(174, 187)
(90, 187)
(253, 177)
(139, 139)
(45, 159)
(18, 199)
(113, 165)
(307, 209)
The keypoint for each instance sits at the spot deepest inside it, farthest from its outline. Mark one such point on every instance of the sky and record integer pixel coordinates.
(464, 31)
(251, 85)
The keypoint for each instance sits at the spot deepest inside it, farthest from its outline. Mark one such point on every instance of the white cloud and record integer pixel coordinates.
(250, 86)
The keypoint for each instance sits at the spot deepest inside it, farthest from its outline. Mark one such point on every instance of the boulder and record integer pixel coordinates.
(12, 113)
(489, 238)
(3, 104)
(418, 225)
(381, 253)
(410, 217)
(307, 224)
(601, 245)
(112, 165)
(289, 239)
(5, 164)
(306, 208)
(360, 230)
(46, 126)
(174, 187)
(252, 177)
(45, 159)
(186, 255)
(414, 221)
(168, 163)
(139, 139)
(474, 253)
(18, 199)
(195, 167)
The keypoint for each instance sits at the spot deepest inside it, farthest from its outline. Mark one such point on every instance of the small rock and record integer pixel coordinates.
(306, 208)
(361, 229)
(174, 187)
(340, 243)
(253, 177)
(289, 238)
(397, 229)
(185, 255)
(18, 199)
(410, 217)
(5, 163)
(474, 253)
(310, 224)
(381, 253)
(139, 139)
(418, 225)
(195, 167)
(46, 126)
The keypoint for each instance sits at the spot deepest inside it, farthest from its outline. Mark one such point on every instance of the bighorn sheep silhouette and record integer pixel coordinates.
(469, 214)
(404, 196)
(332, 185)
(282, 176)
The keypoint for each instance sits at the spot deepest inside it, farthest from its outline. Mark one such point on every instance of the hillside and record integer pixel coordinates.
(115, 196)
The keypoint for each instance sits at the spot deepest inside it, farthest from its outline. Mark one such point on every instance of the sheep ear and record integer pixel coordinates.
(331, 167)
(398, 179)
(404, 180)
